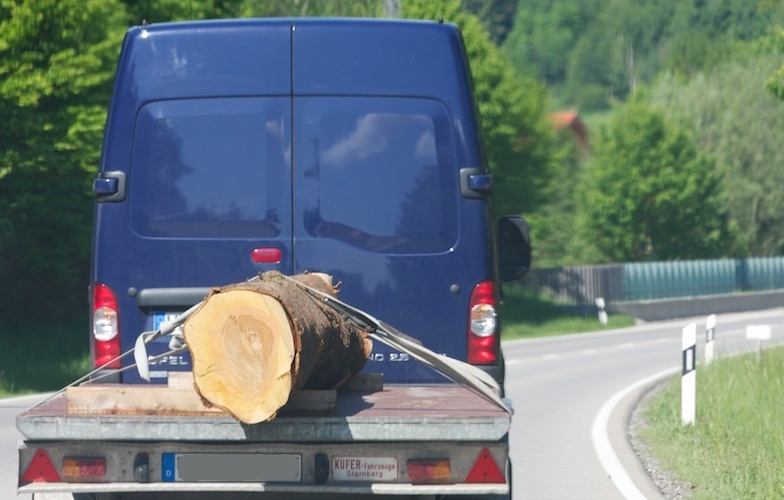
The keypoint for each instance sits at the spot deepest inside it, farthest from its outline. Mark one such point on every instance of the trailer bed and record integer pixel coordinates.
(395, 413)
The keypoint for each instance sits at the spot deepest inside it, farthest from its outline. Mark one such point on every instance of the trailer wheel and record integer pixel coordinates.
(84, 496)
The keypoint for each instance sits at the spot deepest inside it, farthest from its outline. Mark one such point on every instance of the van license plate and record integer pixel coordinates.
(232, 467)
(159, 318)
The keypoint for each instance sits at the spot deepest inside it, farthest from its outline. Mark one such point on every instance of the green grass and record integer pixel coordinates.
(529, 314)
(38, 358)
(736, 447)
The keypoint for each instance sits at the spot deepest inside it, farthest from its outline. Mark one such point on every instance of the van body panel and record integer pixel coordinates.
(337, 143)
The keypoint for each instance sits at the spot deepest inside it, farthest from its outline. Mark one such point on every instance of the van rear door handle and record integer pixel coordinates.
(110, 186)
(475, 183)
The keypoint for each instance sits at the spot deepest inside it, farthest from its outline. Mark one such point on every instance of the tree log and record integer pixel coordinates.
(256, 342)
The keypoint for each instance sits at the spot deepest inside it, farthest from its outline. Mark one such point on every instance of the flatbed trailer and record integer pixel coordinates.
(432, 440)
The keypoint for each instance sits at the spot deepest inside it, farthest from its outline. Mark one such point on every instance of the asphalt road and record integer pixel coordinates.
(560, 385)
(569, 394)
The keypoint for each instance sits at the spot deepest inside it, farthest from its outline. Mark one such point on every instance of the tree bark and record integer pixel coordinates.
(256, 342)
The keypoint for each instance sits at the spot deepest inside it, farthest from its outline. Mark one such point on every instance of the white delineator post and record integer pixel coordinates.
(710, 337)
(600, 305)
(689, 380)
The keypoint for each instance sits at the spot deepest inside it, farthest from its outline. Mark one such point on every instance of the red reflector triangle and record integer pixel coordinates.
(40, 470)
(485, 470)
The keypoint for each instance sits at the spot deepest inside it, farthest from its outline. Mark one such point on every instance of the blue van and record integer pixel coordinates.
(348, 147)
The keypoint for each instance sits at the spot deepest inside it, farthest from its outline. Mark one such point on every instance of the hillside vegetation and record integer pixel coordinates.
(683, 136)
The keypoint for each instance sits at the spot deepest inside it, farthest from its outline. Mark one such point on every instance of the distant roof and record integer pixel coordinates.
(570, 119)
(563, 119)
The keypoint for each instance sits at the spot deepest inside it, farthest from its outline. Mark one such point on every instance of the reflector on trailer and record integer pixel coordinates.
(40, 470)
(485, 470)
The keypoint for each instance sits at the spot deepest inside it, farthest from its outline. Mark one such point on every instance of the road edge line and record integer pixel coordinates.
(601, 439)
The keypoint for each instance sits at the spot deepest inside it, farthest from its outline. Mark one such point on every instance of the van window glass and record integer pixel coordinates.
(378, 173)
(211, 168)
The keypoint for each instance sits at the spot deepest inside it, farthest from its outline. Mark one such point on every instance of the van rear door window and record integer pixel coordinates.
(377, 173)
(215, 168)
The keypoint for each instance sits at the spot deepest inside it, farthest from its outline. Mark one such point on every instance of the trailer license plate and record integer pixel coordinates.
(364, 469)
(232, 467)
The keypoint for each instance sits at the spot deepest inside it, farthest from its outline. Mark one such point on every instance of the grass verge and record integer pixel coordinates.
(527, 313)
(42, 358)
(736, 447)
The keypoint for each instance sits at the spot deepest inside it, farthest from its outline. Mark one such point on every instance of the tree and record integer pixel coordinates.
(514, 127)
(543, 35)
(312, 8)
(742, 126)
(56, 66)
(497, 16)
(649, 194)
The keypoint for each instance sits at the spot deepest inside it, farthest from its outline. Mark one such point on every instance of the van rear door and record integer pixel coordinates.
(383, 123)
(208, 173)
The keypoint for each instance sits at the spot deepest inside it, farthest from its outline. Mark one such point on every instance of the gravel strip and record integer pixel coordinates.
(670, 487)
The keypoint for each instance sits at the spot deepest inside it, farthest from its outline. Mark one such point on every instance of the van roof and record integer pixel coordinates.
(300, 56)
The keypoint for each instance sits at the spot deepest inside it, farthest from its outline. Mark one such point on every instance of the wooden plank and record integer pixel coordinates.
(178, 398)
(113, 399)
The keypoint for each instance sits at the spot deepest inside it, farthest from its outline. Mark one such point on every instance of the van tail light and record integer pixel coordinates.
(482, 325)
(106, 326)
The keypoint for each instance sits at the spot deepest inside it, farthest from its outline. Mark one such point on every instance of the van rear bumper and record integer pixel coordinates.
(497, 372)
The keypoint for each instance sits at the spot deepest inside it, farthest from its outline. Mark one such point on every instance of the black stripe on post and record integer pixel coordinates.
(689, 359)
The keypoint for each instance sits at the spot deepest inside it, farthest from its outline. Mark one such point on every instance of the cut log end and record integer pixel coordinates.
(254, 343)
(243, 348)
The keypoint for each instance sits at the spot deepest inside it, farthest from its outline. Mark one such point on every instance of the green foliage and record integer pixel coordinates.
(56, 66)
(555, 225)
(312, 8)
(742, 126)
(775, 82)
(543, 35)
(650, 195)
(619, 44)
(42, 358)
(514, 126)
(497, 16)
(158, 11)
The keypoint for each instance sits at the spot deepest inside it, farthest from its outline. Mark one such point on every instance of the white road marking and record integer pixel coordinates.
(601, 440)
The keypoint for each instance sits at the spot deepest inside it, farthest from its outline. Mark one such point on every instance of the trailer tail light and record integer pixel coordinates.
(429, 471)
(482, 325)
(106, 326)
(40, 470)
(485, 470)
(83, 469)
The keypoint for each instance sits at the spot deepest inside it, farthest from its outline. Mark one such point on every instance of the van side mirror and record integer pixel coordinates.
(514, 247)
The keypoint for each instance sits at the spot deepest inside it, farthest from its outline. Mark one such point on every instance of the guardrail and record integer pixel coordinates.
(643, 281)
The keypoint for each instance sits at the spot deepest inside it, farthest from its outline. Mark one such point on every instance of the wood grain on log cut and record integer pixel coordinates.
(253, 343)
